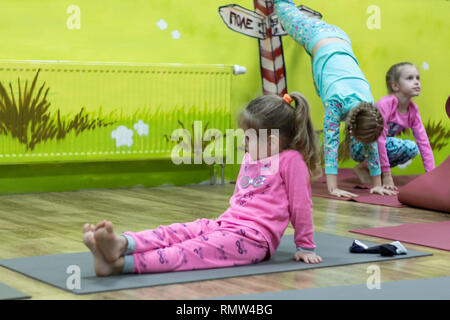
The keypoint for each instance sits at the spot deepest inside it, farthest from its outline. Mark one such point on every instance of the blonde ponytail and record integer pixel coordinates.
(305, 139)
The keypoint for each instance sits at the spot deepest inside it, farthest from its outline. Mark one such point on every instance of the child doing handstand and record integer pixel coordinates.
(344, 91)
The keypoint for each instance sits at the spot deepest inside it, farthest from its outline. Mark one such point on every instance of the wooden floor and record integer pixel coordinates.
(51, 223)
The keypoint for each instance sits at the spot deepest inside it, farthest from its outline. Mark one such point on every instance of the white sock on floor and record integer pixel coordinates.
(400, 248)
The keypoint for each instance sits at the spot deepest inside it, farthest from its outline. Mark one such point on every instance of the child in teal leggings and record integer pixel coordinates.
(344, 91)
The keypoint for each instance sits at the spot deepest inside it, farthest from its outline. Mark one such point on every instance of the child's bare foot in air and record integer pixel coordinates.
(102, 267)
(363, 174)
(111, 246)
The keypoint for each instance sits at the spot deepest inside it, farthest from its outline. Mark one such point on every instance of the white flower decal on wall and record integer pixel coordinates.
(176, 34)
(162, 24)
(141, 128)
(123, 136)
(425, 66)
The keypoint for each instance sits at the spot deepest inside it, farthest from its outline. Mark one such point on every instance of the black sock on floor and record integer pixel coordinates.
(386, 250)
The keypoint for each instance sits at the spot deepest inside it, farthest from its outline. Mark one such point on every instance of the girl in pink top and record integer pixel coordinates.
(400, 112)
(272, 189)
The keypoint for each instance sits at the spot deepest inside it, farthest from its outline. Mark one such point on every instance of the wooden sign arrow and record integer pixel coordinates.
(243, 21)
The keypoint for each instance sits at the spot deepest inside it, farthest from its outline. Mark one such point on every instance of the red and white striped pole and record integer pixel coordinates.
(273, 73)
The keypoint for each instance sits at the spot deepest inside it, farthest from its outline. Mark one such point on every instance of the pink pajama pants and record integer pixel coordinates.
(201, 244)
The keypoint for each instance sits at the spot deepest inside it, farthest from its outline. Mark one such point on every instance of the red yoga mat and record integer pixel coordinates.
(348, 180)
(433, 235)
(430, 191)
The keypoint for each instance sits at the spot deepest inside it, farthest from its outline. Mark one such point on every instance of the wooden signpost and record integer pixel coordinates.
(264, 25)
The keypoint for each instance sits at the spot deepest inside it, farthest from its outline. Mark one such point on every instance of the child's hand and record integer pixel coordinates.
(334, 190)
(382, 191)
(388, 182)
(307, 257)
(342, 193)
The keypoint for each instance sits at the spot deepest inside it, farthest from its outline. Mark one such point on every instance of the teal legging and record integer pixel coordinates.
(307, 32)
(303, 29)
(398, 150)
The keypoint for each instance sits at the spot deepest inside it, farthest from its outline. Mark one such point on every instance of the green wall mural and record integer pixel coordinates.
(383, 33)
(60, 111)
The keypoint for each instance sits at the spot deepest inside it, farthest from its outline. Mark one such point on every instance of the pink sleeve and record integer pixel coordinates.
(296, 178)
(385, 107)
(421, 137)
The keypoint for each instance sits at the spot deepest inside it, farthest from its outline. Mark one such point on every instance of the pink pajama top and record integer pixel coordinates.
(271, 192)
(394, 122)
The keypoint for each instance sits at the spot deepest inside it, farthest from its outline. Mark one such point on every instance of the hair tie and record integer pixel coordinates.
(287, 98)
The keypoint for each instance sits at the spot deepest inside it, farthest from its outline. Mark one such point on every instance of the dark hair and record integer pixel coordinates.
(393, 74)
(365, 123)
(294, 124)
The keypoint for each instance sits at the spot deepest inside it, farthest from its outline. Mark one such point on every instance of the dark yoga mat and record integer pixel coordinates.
(53, 269)
(8, 293)
(348, 181)
(421, 289)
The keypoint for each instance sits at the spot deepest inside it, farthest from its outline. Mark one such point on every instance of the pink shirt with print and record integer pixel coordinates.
(394, 122)
(271, 192)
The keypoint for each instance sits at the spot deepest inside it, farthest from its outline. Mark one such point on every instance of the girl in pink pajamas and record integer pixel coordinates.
(272, 189)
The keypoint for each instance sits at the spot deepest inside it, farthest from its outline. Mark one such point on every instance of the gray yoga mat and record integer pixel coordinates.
(421, 289)
(57, 271)
(8, 293)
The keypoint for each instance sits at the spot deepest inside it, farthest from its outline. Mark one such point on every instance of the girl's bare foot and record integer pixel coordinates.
(100, 225)
(101, 266)
(111, 246)
(363, 174)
